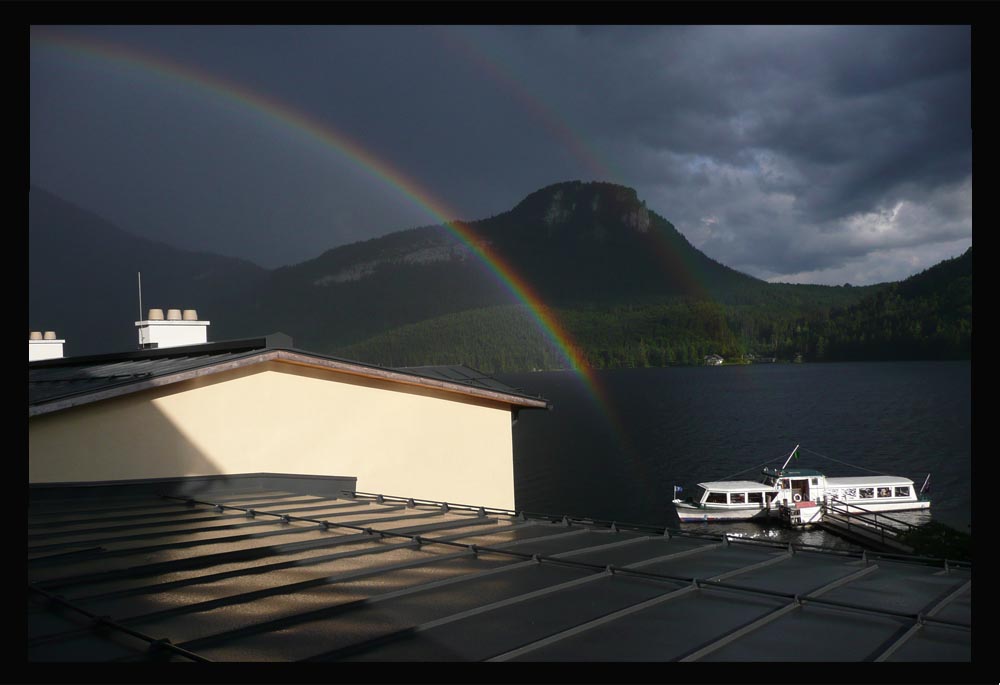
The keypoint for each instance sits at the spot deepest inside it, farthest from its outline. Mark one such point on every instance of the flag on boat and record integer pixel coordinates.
(677, 488)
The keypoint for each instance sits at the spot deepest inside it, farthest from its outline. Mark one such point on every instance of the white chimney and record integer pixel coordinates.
(176, 330)
(44, 346)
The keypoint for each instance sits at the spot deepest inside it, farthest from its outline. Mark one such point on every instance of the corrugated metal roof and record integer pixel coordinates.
(70, 379)
(58, 383)
(278, 576)
(462, 374)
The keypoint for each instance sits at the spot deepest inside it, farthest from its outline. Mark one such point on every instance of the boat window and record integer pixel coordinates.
(771, 496)
(903, 491)
(716, 497)
(814, 481)
(850, 493)
(866, 492)
(757, 497)
(737, 498)
(885, 492)
(784, 484)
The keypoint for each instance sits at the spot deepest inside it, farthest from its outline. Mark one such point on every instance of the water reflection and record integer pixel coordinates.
(775, 531)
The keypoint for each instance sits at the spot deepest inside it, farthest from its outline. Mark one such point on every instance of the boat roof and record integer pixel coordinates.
(868, 480)
(736, 486)
(792, 473)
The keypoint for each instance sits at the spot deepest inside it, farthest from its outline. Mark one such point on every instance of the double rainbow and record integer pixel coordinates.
(284, 115)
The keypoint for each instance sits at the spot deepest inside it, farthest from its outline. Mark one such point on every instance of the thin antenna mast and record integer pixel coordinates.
(139, 275)
(789, 458)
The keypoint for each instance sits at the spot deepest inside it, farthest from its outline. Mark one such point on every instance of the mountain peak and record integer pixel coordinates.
(602, 191)
(585, 203)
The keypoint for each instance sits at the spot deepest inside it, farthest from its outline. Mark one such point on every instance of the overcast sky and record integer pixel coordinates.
(798, 154)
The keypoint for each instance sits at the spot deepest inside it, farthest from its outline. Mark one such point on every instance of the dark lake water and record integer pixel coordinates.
(679, 426)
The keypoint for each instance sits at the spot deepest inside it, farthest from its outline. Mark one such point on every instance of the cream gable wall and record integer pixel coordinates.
(279, 417)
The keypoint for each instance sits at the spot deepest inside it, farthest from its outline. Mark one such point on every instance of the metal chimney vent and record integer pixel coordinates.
(177, 328)
(44, 346)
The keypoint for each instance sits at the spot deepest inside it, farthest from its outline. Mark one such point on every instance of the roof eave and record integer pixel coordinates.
(290, 356)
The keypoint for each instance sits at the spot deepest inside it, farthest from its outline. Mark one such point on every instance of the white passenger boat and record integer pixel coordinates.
(798, 494)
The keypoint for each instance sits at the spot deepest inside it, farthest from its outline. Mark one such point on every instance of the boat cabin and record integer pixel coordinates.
(808, 485)
(738, 494)
(871, 490)
(797, 485)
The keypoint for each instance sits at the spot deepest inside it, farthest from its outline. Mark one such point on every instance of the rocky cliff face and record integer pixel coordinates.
(591, 208)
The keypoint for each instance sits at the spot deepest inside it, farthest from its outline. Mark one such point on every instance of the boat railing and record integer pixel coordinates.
(871, 522)
(876, 518)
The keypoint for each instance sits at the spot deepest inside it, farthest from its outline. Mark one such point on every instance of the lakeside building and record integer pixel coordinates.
(256, 406)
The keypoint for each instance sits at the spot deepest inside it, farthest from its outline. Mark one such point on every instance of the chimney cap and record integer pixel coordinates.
(173, 315)
(156, 315)
(50, 335)
(35, 335)
(190, 314)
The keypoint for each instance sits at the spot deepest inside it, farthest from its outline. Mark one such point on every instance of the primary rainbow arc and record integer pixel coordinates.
(289, 117)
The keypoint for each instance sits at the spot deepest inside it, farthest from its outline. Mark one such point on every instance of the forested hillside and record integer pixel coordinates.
(928, 316)
(626, 286)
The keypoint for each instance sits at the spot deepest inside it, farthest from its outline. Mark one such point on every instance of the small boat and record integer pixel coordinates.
(799, 495)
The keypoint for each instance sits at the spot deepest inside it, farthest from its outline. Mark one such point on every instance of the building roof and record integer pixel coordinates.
(270, 575)
(459, 374)
(58, 384)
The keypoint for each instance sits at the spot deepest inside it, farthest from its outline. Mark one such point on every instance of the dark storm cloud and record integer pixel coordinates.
(823, 153)
(809, 95)
(788, 132)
